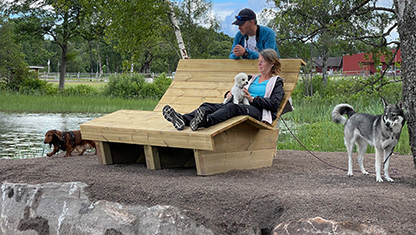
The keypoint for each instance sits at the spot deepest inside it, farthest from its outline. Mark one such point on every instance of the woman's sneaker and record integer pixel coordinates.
(200, 119)
(175, 118)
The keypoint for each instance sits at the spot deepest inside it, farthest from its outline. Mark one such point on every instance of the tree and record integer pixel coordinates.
(192, 14)
(59, 19)
(332, 25)
(33, 43)
(13, 68)
(178, 33)
(143, 28)
(368, 23)
(406, 20)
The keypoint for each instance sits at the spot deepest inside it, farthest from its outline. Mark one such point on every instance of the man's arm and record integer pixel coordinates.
(252, 54)
(270, 40)
(236, 42)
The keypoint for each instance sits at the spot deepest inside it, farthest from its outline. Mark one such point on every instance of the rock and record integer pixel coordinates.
(64, 208)
(319, 225)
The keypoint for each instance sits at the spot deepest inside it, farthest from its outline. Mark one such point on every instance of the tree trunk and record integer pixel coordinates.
(100, 64)
(91, 61)
(107, 62)
(62, 70)
(406, 18)
(178, 34)
(325, 68)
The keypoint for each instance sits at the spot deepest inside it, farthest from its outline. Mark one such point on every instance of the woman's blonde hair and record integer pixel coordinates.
(271, 57)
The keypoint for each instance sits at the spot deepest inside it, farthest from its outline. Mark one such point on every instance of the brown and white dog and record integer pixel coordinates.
(67, 141)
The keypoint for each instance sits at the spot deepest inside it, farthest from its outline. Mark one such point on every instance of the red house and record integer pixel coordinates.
(363, 63)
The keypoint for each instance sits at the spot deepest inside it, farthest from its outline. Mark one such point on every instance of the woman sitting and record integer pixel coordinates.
(264, 92)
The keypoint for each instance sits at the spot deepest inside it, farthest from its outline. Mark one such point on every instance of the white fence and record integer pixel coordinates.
(96, 77)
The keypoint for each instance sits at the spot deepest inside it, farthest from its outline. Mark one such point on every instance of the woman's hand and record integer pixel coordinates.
(229, 95)
(247, 95)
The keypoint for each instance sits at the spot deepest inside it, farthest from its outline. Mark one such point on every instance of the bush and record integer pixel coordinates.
(3, 86)
(124, 86)
(134, 86)
(162, 83)
(350, 89)
(81, 90)
(35, 86)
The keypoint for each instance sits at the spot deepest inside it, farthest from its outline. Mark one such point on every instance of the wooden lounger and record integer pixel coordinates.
(128, 136)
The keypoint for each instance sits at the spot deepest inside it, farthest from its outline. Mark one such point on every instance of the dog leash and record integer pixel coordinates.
(310, 152)
(331, 165)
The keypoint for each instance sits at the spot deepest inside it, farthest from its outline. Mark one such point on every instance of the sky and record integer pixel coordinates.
(226, 10)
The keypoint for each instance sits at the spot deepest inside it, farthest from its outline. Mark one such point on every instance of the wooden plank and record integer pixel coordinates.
(216, 65)
(103, 153)
(232, 65)
(212, 163)
(245, 137)
(178, 139)
(152, 157)
(238, 143)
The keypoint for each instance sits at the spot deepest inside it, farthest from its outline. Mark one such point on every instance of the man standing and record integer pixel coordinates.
(252, 38)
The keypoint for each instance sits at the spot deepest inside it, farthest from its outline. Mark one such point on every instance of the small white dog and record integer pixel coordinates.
(241, 80)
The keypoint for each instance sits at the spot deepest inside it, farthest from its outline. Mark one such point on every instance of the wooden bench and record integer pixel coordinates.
(128, 136)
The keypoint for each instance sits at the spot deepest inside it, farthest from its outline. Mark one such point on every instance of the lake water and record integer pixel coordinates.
(22, 134)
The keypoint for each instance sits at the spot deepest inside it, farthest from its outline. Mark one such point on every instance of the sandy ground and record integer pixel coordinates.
(297, 186)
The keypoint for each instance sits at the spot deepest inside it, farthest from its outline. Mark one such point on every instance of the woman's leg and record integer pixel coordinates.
(232, 110)
(204, 119)
(207, 107)
(179, 121)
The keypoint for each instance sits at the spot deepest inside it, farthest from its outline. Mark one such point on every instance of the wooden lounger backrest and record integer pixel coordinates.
(206, 80)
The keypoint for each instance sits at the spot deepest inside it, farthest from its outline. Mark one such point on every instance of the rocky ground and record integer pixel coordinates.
(296, 187)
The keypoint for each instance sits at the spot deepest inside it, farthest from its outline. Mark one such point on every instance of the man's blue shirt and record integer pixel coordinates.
(266, 39)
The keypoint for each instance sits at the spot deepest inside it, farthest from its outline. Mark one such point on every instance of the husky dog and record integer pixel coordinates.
(241, 80)
(381, 131)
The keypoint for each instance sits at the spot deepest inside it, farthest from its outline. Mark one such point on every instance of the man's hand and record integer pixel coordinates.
(239, 50)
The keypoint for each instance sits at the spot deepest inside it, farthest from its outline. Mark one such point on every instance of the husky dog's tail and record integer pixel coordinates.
(340, 110)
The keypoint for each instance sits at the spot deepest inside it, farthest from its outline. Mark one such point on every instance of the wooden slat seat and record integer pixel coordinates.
(238, 143)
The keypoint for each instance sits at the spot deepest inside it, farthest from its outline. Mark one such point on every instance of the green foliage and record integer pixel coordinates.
(352, 88)
(163, 83)
(81, 90)
(311, 120)
(59, 103)
(125, 86)
(134, 86)
(13, 69)
(35, 86)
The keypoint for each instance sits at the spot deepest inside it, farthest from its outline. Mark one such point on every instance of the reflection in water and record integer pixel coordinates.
(22, 134)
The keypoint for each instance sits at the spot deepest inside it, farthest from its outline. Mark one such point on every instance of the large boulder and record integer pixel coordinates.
(64, 208)
(319, 225)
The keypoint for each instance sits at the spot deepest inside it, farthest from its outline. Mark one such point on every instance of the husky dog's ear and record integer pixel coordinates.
(400, 104)
(384, 102)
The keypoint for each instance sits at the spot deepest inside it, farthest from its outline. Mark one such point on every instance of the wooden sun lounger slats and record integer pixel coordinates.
(145, 136)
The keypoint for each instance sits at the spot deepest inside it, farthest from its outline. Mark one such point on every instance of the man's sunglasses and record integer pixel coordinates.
(241, 17)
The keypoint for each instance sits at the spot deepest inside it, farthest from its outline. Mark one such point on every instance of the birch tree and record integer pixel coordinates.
(178, 34)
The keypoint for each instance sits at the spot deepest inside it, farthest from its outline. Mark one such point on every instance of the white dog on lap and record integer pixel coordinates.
(241, 80)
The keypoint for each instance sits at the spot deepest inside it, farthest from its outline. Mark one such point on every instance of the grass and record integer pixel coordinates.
(310, 121)
(312, 125)
(14, 102)
(96, 85)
